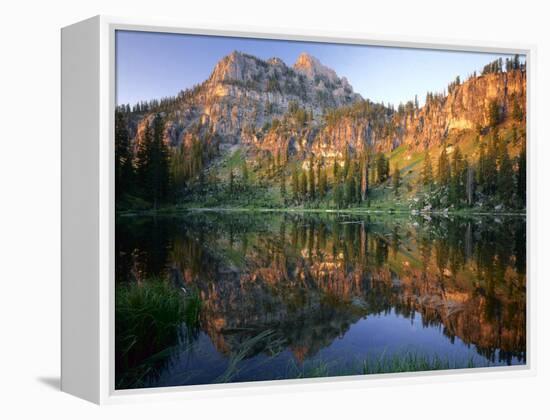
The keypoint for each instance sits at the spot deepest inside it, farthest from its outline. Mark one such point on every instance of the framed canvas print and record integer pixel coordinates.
(294, 209)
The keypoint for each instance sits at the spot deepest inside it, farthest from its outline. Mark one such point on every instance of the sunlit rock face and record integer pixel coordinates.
(361, 127)
(244, 95)
(244, 92)
(465, 107)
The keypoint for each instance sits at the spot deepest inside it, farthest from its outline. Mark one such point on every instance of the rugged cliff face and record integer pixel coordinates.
(245, 96)
(243, 93)
(466, 107)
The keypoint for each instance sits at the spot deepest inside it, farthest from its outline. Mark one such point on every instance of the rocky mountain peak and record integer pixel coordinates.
(311, 67)
(233, 66)
(244, 93)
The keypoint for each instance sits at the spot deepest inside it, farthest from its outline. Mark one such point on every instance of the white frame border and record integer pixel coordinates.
(107, 393)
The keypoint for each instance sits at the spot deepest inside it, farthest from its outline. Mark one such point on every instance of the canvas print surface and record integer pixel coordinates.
(296, 209)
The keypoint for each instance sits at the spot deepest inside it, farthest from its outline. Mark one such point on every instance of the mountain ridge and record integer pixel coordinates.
(245, 94)
(282, 121)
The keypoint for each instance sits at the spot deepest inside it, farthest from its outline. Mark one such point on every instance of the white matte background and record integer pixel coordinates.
(30, 195)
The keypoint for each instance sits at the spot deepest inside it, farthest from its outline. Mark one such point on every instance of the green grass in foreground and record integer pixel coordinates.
(148, 316)
(411, 362)
(269, 343)
(398, 363)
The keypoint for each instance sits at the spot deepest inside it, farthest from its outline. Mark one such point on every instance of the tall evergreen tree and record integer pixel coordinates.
(346, 163)
(427, 171)
(303, 185)
(338, 195)
(517, 113)
(244, 172)
(177, 170)
(457, 183)
(396, 180)
(494, 113)
(491, 165)
(231, 180)
(143, 160)
(318, 175)
(160, 174)
(522, 177)
(443, 169)
(323, 184)
(382, 167)
(505, 176)
(282, 185)
(336, 171)
(470, 185)
(295, 183)
(364, 177)
(124, 170)
(311, 179)
(480, 175)
(349, 190)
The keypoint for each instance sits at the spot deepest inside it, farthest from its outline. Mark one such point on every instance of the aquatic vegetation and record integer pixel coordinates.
(266, 341)
(412, 362)
(284, 295)
(148, 317)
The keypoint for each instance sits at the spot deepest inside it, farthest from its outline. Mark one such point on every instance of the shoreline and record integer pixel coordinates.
(438, 213)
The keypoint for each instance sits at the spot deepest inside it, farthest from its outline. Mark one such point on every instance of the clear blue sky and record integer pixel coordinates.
(152, 65)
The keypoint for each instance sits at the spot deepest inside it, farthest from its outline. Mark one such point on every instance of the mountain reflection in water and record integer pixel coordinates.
(285, 295)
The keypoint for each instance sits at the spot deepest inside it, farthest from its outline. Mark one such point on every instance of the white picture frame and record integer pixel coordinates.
(88, 101)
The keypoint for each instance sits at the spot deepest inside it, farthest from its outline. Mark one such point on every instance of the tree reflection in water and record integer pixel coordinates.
(306, 279)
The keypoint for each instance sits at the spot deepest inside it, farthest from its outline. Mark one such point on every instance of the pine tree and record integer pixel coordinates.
(336, 171)
(470, 187)
(282, 185)
(517, 113)
(494, 113)
(443, 169)
(364, 177)
(177, 170)
(516, 64)
(124, 170)
(349, 190)
(143, 160)
(311, 179)
(522, 177)
(382, 168)
(303, 185)
(346, 163)
(323, 184)
(480, 176)
(491, 165)
(505, 176)
(318, 176)
(338, 195)
(244, 172)
(231, 181)
(295, 183)
(396, 180)
(457, 177)
(427, 171)
(160, 173)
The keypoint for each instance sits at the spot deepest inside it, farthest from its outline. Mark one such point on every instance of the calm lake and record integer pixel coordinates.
(287, 295)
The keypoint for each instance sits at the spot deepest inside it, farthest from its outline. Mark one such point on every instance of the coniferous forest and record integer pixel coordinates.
(161, 163)
(274, 223)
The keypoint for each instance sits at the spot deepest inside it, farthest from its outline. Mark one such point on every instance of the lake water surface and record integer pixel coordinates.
(287, 295)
